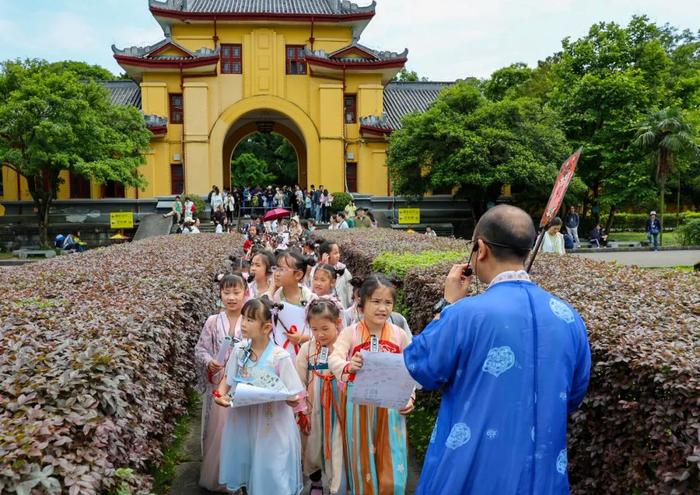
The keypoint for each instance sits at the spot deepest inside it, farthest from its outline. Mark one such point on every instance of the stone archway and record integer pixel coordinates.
(265, 121)
(241, 119)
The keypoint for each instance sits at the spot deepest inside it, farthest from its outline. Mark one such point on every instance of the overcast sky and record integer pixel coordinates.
(447, 39)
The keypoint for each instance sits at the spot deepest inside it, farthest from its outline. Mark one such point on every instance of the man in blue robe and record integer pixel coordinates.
(512, 363)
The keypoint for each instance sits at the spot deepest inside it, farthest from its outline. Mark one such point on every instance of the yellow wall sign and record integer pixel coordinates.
(409, 216)
(121, 220)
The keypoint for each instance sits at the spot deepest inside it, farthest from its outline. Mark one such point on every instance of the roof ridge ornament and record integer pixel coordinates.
(169, 4)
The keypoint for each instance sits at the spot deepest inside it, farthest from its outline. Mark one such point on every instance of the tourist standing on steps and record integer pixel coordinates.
(512, 363)
(216, 199)
(572, 221)
(653, 228)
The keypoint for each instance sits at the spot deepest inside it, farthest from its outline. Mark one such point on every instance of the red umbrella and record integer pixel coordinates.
(276, 214)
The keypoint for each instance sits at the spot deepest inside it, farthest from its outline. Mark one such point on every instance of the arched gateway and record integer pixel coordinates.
(225, 69)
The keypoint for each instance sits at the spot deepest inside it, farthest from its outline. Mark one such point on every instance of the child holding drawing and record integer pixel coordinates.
(260, 446)
(377, 466)
(211, 353)
(288, 274)
(322, 426)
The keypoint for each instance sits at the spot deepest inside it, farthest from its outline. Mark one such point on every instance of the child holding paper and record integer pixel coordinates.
(376, 441)
(211, 353)
(289, 273)
(322, 426)
(260, 446)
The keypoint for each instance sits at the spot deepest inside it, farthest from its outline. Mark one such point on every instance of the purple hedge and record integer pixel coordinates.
(96, 356)
(638, 430)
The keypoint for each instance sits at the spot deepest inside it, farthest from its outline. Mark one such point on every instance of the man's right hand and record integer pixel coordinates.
(456, 284)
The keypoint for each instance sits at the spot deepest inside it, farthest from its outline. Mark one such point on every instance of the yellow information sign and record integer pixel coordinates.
(409, 216)
(121, 220)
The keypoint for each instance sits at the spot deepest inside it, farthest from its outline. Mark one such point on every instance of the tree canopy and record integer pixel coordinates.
(272, 160)
(53, 119)
(476, 145)
(595, 93)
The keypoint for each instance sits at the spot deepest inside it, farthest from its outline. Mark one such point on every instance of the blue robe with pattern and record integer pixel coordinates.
(501, 428)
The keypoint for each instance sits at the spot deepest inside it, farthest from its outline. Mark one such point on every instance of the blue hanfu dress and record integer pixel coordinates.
(501, 427)
(261, 447)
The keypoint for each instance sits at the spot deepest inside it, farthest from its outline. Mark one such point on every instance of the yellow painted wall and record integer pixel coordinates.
(213, 104)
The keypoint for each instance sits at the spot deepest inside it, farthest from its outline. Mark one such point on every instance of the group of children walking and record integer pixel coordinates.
(319, 433)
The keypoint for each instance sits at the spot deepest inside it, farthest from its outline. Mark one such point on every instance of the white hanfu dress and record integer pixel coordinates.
(261, 446)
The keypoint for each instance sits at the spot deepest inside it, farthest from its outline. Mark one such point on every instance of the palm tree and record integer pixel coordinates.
(665, 135)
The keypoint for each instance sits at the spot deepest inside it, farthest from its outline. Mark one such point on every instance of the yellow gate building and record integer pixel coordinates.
(228, 68)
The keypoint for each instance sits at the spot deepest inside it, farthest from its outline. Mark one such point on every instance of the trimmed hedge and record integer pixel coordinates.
(689, 233)
(97, 355)
(637, 430)
(340, 201)
(637, 221)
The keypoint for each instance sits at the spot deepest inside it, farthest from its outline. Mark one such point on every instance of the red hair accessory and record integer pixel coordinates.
(216, 394)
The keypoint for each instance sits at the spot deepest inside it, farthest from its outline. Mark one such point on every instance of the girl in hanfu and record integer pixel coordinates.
(260, 278)
(220, 330)
(322, 425)
(260, 445)
(288, 275)
(375, 436)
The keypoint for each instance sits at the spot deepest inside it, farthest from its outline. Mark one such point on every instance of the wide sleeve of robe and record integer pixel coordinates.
(338, 358)
(582, 369)
(433, 355)
(287, 371)
(204, 352)
(302, 363)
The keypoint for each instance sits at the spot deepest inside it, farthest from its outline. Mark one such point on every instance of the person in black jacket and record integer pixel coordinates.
(653, 229)
(598, 237)
(571, 220)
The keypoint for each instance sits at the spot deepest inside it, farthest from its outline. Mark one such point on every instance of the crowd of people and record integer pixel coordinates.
(313, 205)
(273, 447)
(556, 241)
(314, 432)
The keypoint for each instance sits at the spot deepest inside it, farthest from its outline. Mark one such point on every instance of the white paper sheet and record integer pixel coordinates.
(223, 350)
(249, 395)
(383, 381)
(290, 316)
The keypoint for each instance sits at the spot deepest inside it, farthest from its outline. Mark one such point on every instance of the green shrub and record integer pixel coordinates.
(637, 221)
(637, 429)
(95, 364)
(340, 201)
(399, 264)
(201, 206)
(689, 233)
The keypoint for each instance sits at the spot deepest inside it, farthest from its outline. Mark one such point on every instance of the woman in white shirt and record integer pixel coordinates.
(217, 199)
(553, 239)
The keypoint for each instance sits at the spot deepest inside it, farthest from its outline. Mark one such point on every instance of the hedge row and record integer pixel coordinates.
(96, 354)
(637, 221)
(638, 429)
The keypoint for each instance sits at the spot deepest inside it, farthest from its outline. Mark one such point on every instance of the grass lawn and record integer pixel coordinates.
(6, 256)
(670, 238)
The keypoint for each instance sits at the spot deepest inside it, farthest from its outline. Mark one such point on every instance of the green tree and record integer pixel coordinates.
(406, 75)
(83, 71)
(606, 82)
(249, 170)
(51, 121)
(507, 79)
(275, 152)
(467, 141)
(666, 136)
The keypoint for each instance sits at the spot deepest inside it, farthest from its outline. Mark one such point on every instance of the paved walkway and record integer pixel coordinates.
(648, 259)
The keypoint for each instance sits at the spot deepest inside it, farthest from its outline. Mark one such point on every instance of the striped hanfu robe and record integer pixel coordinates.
(375, 436)
(323, 446)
